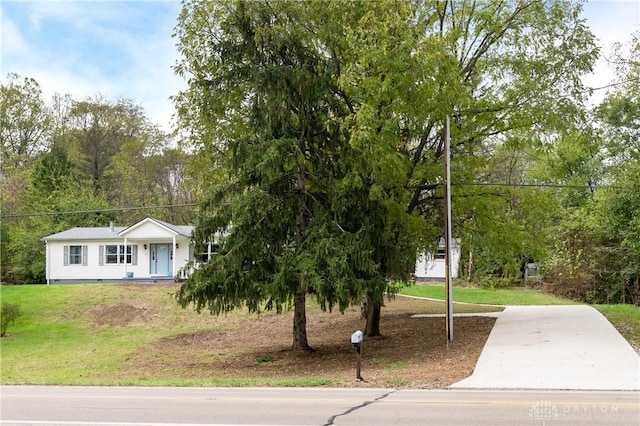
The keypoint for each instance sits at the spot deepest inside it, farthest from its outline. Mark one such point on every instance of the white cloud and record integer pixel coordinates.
(124, 48)
(12, 41)
(117, 49)
(612, 21)
(151, 76)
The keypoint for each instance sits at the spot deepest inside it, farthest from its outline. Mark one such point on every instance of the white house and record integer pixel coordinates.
(148, 250)
(431, 267)
(153, 250)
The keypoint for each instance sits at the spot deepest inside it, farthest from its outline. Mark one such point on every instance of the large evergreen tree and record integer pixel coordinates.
(264, 90)
(321, 126)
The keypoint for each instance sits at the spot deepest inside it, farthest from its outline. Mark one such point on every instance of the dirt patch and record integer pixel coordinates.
(118, 315)
(413, 352)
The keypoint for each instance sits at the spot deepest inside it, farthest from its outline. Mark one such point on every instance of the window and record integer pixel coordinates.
(117, 254)
(212, 249)
(111, 254)
(75, 255)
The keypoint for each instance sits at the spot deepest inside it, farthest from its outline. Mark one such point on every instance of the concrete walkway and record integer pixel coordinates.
(555, 347)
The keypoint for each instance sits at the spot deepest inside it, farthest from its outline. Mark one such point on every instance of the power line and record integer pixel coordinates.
(431, 186)
(119, 209)
(426, 187)
(535, 185)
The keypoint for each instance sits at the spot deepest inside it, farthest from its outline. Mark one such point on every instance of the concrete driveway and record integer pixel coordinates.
(555, 347)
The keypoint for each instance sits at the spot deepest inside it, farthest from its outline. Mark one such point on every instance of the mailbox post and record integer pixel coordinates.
(356, 341)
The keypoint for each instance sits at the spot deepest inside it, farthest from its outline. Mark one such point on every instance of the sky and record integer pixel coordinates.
(124, 49)
(118, 49)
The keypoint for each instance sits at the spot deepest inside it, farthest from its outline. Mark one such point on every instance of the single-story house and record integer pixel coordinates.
(431, 266)
(153, 250)
(148, 250)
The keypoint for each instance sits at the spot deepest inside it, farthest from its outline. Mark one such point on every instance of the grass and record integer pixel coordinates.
(76, 335)
(398, 383)
(400, 365)
(59, 340)
(56, 330)
(235, 382)
(265, 358)
(625, 318)
(56, 343)
(502, 296)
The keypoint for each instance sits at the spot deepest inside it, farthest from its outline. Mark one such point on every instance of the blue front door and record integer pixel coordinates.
(161, 259)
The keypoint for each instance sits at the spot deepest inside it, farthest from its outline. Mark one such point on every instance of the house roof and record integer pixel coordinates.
(101, 233)
(183, 230)
(113, 233)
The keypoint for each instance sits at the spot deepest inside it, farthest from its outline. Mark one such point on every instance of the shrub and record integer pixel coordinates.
(9, 312)
(492, 283)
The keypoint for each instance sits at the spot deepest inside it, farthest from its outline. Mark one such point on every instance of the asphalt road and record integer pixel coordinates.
(106, 406)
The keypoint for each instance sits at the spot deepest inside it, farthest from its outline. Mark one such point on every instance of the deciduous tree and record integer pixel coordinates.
(25, 121)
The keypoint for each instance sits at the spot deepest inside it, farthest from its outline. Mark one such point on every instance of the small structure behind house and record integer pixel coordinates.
(430, 267)
(532, 271)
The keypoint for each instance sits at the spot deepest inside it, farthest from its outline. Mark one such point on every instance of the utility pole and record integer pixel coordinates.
(447, 230)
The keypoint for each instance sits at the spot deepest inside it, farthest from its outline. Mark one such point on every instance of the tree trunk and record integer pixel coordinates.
(300, 323)
(373, 318)
(300, 314)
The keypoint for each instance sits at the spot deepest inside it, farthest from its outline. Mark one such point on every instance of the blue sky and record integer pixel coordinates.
(125, 49)
(120, 49)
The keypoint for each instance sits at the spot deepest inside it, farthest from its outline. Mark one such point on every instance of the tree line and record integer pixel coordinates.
(88, 155)
(311, 135)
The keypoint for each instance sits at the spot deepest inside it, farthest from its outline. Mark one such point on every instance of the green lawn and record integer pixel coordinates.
(626, 318)
(61, 336)
(57, 328)
(503, 296)
(58, 339)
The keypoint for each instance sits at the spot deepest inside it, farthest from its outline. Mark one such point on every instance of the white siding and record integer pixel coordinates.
(106, 272)
(148, 231)
(92, 270)
(182, 254)
(428, 267)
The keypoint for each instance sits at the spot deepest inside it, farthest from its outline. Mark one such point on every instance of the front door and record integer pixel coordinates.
(161, 261)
